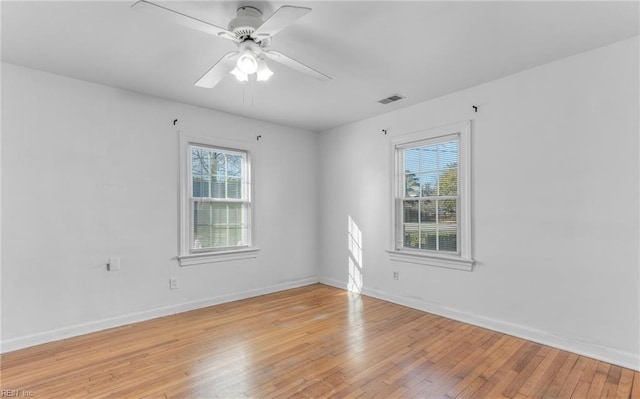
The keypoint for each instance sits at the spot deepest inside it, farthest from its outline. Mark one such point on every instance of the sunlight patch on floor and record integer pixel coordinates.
(355, 256)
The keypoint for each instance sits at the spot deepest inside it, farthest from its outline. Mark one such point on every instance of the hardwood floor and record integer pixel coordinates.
(310, 342)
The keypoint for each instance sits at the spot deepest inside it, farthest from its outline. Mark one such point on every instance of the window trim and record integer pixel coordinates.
(187, 256)
(462, 260)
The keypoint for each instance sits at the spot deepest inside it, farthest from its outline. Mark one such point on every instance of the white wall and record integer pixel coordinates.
(90, 172)
(555, 204)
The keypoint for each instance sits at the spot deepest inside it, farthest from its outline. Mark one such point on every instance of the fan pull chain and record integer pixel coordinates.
(253, 93)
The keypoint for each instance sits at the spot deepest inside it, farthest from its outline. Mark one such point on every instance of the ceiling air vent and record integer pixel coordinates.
(391, 99)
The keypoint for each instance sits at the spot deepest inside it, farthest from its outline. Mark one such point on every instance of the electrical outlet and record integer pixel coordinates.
(396, 275)
(173, 283)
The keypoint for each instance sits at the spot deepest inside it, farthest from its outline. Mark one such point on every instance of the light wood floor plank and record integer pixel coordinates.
(635, 389)
(310, 342)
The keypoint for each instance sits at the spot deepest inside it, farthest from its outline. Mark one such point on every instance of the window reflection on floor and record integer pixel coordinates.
(356, 336)
(355, 256)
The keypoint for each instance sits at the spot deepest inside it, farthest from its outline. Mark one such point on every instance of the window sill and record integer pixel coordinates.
(222, 256)
(449, 262)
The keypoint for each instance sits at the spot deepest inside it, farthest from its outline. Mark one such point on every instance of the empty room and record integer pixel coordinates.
(320, 199)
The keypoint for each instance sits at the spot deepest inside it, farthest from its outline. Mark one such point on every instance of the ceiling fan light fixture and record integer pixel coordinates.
(263, 73)
(247, 62)
(250, 32)
(241, 76)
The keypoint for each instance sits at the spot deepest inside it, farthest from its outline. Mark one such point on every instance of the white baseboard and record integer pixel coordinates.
(599, 352)
(99, 325)
(333, 283)
(607, 354)
(610, 355)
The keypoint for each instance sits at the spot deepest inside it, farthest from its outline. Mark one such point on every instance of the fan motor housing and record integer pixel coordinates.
(248, 19)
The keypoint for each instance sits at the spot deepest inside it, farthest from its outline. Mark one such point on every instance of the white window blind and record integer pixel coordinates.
(430, 199)
(219, 199)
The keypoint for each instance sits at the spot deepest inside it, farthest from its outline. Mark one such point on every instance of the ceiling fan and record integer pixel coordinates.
(252, 35)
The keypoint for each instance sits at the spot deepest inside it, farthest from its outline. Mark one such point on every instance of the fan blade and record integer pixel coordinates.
(217, 72)
(179, 18)
(283, 17)
(295, 65)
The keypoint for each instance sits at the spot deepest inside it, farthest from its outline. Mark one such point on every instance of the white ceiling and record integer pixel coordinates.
(372, 49)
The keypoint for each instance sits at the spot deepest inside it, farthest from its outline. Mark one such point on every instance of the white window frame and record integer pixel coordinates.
(187, 255)
(462, 259)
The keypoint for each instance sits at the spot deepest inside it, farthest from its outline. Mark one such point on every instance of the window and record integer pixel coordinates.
(430, 197)
(219, 198)
(431, 214)
(216, 207)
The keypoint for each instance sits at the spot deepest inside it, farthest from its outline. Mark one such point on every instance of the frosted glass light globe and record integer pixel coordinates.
(247, 63)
